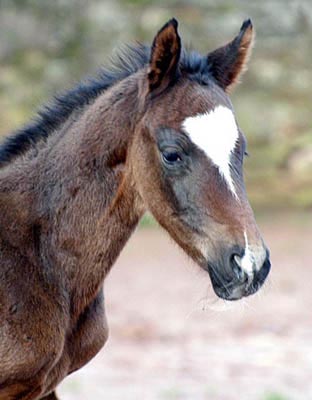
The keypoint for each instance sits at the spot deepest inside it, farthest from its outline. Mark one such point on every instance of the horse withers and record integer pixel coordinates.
(156, 132)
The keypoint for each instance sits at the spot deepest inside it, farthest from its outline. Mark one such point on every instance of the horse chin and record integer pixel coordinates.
(236, 291)
(230, 295)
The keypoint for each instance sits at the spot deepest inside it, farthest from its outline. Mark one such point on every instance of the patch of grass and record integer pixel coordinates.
(275, 396)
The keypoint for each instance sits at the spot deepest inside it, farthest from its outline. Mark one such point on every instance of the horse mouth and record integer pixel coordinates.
(234, 289)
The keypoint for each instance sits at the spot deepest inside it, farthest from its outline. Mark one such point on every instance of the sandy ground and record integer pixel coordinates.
(171, 339)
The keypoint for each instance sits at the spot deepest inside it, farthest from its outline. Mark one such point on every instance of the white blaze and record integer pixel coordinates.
(216, 133)
(247, 262)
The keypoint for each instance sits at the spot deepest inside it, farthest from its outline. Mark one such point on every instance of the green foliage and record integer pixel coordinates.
(47, 46)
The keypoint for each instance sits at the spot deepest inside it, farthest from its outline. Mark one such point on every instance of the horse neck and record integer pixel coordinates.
(85, 206)
(103, 206)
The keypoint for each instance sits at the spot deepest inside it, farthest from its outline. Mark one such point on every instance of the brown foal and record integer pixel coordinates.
(157, 132)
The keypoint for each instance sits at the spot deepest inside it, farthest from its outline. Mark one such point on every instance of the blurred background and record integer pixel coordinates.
(170, 338)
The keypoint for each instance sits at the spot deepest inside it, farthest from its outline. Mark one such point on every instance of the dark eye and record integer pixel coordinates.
(171, 157)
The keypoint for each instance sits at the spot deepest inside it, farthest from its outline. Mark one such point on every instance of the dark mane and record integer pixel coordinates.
(53, 115)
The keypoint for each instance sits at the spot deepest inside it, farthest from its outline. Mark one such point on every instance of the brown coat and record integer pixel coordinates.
(74, 186)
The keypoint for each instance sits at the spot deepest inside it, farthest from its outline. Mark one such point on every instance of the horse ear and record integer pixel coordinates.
(227, 63)
(165, 55)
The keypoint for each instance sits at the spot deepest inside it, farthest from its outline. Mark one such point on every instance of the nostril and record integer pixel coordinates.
(236, 263)
(237, 260)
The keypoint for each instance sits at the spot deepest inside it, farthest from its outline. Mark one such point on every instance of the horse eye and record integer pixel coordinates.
(171, 157)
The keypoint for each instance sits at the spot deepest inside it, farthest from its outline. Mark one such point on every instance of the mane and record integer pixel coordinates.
(52, 116)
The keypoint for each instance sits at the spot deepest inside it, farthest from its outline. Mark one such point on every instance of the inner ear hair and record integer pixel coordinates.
(227, 63)
(165, 55)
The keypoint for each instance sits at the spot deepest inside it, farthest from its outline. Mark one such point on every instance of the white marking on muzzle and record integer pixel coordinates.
(216, 133)
(253, 258)
(248, 261)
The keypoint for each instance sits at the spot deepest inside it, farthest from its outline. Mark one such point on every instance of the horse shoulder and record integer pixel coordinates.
(29, 346)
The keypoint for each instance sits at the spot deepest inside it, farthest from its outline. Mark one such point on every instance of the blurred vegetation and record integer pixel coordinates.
(275, 396)
(48, 46)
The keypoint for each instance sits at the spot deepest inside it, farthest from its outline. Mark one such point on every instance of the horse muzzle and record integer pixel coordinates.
(234, 281)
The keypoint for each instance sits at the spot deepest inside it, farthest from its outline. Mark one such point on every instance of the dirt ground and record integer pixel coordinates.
(170, 339)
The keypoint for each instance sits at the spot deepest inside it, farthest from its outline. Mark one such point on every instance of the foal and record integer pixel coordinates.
(157, 133)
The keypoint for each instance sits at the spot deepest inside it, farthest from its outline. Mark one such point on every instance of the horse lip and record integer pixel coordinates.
(234, 294)
(251, 289)
(236, 289)
(221, 291)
